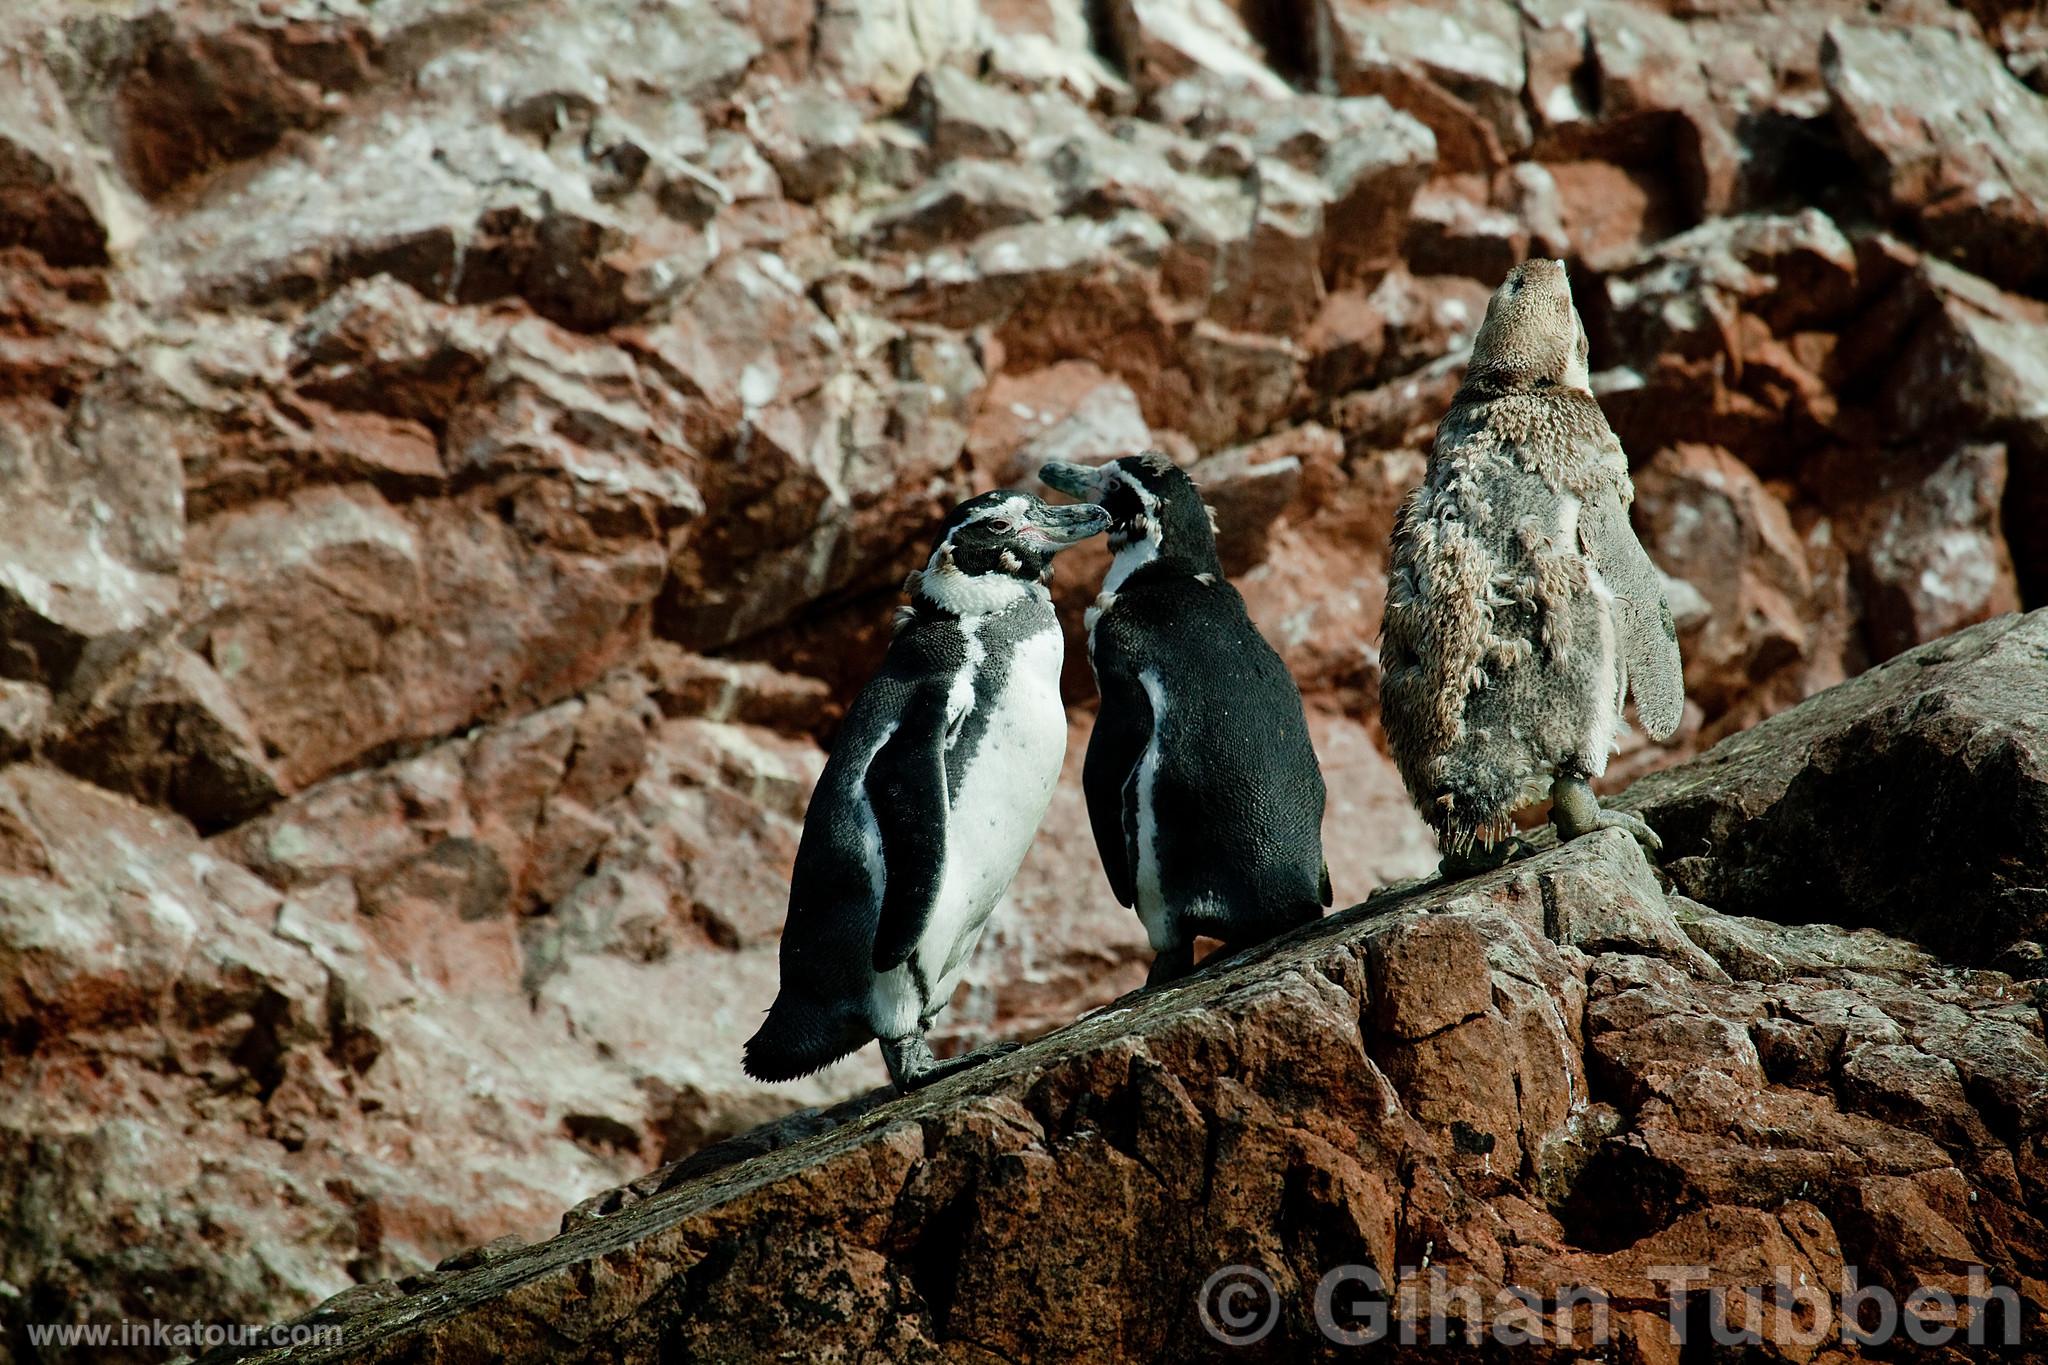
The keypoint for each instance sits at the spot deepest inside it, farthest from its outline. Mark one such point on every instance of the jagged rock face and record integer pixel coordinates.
(459, 457)
(1557, 1077)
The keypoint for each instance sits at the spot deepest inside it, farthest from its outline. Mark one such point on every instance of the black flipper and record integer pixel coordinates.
(1123, 728)
(906, 788)
(800, 1036)
(1323, 887)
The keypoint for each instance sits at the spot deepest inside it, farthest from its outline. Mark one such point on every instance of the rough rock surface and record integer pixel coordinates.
(459, 456)
(1941, 760)
(1556, 1077)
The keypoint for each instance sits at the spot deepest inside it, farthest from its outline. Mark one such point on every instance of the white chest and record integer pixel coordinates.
(994, 811)
(1009, 777)
(1000, 798)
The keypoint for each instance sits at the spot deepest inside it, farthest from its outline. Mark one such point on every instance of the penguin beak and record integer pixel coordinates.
(1060, 527)
(1075, 480)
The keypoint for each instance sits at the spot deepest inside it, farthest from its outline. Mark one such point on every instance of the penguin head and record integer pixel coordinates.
(1532, 338)
(998, 547)
(1153, 506)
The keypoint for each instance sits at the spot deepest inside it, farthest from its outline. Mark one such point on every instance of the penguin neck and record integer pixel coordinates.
(1192, 551)
(1130, 557)
(953, 593)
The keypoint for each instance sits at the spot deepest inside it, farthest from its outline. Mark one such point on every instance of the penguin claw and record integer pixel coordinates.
(1636, 826)
(953, 1066)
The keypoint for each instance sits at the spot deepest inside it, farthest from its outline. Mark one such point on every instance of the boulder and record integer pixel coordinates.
(1940, 755)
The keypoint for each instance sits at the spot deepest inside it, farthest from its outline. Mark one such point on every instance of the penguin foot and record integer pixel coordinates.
(912, 1066)
(909, 1060)
(1170, 965)
(1576, 811)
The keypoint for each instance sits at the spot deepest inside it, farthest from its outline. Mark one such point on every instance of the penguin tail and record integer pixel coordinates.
(799, 1036)
(1473, 801)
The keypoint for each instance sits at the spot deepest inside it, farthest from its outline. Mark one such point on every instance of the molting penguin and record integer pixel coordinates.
(1520, 606)
(1202, 786)
(935, 787)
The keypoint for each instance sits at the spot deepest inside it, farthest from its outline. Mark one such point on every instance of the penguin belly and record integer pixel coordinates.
(1146, 886)
(1609, 682)
(994, 813)
(1606, 680)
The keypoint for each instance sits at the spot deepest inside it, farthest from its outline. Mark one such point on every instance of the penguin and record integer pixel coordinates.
(936, 785)
(1521, 609)
(1203, 789)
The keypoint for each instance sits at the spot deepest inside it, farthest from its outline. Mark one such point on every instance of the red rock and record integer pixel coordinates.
(961, 117)
(1273, 282)
(1460, 71)
(1373, 181)
(1345, 343)
(812, 138)
(49, 194)
(878, 47)
(1371, 835)
(411, 649)
(1432, 1077)
(1924, 540)
(162, 727)
(965, 200)
(195, 95)
(97, 528)
(1232, 385)
(1706, 518)
(1453, 235)
(1160, 41)
(725, 690)
(1048, 44)
(1603, 213)
(1071, 411)
(1248, 488)
(461, 459)
(1960, 361)
(1923, 713)
(1972, 170)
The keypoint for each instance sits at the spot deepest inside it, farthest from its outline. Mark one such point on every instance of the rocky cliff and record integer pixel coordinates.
(458, 457)
(1556, 1077)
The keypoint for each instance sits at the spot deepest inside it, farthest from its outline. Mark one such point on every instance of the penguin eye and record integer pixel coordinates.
(1002, 526)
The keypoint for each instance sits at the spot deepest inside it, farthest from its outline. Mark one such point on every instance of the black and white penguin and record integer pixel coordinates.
(936, 785)
(1202, 786)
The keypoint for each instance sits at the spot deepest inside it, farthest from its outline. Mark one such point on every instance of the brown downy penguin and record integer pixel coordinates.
(1521, 609)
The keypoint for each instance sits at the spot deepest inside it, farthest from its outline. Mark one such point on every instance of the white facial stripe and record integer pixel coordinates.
(974, 594)
(1152, 525)
(1015, 509)
(1009, 509)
